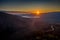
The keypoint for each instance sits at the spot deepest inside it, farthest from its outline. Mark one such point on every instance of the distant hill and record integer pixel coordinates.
(52, 17)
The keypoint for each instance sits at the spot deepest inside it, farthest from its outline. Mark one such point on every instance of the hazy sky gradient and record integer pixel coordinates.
(30, 5)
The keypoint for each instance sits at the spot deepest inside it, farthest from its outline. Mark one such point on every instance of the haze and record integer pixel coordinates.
(30, 5)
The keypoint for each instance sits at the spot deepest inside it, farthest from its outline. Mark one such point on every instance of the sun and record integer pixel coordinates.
(37, 12)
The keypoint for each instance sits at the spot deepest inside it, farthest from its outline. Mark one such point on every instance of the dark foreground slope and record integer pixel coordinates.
(13, 28)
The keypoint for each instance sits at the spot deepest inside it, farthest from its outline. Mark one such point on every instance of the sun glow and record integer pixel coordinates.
(37, 12)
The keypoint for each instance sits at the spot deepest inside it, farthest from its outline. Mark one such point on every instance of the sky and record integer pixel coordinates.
(30, 5)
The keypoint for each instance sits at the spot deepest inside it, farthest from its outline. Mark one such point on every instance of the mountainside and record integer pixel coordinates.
(53, 17)
(17, 27)
(12, 27)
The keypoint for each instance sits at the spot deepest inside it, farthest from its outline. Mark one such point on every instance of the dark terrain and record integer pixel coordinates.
(14, 27)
